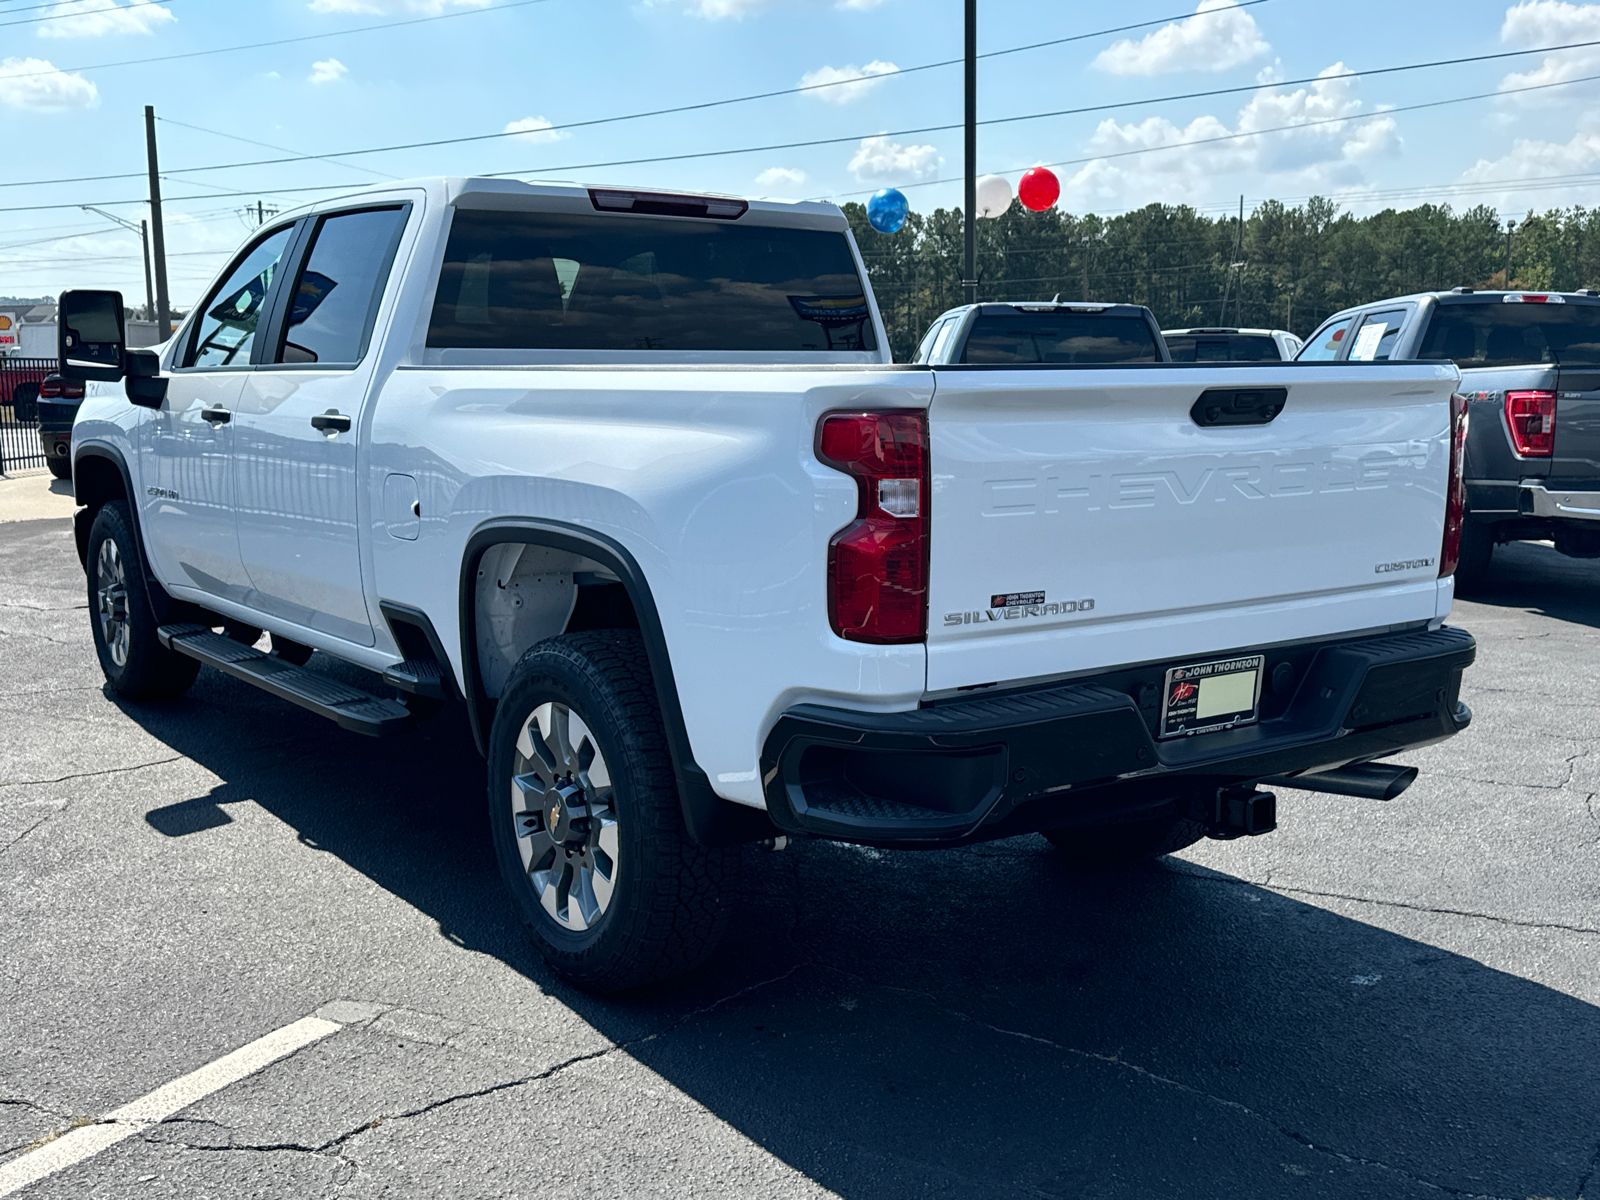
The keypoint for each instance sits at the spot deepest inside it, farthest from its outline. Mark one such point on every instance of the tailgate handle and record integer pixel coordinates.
(1238, 406)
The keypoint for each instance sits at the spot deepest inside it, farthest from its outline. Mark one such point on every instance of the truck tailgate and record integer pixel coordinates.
(1082, 519)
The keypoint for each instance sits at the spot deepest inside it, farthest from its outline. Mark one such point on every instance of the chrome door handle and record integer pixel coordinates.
(331, 420)
(217, 416)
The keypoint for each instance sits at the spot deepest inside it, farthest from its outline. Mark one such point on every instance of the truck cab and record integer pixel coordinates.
(1530, 370)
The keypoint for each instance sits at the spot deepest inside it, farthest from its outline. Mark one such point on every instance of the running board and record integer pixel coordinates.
(348, 707)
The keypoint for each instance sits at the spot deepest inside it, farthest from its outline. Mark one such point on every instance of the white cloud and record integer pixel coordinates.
(95, 18)
(858, 5)
(426, 8)
(878, 158)
(534, 129)
(1317, 157)
(781, 177)
(37, 84)
(329, 70)
(1529, 161)
(1220, 35)
(1548, 23)
(848, 83)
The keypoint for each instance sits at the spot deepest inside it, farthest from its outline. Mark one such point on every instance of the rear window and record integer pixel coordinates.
(557, 281)
(1496, 334)
(1060, 338)
(1221, 347)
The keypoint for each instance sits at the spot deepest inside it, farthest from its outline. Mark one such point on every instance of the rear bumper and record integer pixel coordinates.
(1084, 752)
(1538, 501)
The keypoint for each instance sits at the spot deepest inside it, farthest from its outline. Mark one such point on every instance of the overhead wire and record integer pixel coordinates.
(288, 41)
(63, 16)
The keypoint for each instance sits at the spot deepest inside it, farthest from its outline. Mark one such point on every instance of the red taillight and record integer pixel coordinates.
(54, 387)
(1455, 490)
(878, 565)
(1532, 417)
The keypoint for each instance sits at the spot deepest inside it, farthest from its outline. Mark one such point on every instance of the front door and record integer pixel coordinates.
(187, 446)
(299, 416)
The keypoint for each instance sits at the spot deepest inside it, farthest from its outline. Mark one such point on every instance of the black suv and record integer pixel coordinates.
(1530, 368)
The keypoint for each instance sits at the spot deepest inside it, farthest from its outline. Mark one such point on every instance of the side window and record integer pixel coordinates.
(942, 342)
(1325, 343)
(1378, 333)
(926, 348)
(336, 296)
(226, 329)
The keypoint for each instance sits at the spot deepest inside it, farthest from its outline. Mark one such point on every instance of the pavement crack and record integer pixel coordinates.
(14, 841)
(1588, 1175)
(42, 607)
(92, 774)
(1114, 1060)
(1554, 926)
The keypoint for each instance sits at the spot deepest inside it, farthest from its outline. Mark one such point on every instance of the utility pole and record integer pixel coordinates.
(1510, 225)
(163, 309)
(969, 267)
(143, 230)
(1238, 303)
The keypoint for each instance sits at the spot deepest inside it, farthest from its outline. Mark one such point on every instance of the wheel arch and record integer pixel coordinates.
(710, 819)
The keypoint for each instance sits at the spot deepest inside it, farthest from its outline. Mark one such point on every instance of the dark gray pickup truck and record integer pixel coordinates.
(1530, 367)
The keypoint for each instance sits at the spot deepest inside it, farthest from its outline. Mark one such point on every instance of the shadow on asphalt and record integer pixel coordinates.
(1532, 577)
(986, 1021)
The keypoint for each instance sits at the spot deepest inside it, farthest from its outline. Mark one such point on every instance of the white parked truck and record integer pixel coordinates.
(632, 477)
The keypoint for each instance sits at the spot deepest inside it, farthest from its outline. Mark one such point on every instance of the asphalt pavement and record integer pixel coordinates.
(1378, 1000)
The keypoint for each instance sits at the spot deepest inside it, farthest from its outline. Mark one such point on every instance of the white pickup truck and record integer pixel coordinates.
(632, 477)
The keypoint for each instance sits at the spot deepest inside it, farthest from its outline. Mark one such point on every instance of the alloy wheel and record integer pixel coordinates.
(111, 601)
(562, 804)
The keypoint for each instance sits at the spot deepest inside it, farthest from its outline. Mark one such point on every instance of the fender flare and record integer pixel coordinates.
(711, 820)
(162, 605)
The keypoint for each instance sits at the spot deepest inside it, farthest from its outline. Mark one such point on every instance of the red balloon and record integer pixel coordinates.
(1038, 189)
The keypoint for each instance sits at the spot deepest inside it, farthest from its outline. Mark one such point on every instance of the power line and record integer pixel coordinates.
(1080, 111)
(656, 112)
(252, 142)
(308, 37)
(901, 133)
(1063, 112)
(1230, 137)
(62, 16)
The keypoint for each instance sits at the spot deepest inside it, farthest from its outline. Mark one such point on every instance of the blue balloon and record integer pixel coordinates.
(887, 210)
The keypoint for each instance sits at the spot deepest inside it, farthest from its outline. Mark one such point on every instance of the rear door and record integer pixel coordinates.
(1085, 518)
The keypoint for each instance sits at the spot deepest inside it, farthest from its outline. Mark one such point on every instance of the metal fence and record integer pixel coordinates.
(19, 412)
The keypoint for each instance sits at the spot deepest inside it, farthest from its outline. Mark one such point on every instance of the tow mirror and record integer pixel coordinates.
(145, 384)
(90, 336)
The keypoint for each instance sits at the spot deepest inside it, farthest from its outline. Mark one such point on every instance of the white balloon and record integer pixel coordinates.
(994, 195)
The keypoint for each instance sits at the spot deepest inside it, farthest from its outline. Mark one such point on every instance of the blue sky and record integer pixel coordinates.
(493, 65)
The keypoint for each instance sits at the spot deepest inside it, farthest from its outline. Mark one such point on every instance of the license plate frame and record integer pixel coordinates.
(1183, 699)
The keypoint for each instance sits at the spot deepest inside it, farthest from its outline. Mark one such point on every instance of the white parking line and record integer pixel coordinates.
(86, 1141)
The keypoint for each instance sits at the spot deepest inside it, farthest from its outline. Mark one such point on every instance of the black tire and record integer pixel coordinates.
(119, 615)
(1477, 550)
(667, 905)
(60, 466)
(1126, 844)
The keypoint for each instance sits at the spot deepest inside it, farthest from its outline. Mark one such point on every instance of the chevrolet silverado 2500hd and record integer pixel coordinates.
(632, 477)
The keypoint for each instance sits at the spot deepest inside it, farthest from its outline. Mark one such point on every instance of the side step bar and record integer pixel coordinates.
(348, 707)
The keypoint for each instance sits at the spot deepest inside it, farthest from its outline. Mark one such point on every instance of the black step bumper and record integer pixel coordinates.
(1085, 753)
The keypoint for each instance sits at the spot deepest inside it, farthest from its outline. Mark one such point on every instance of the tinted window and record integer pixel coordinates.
(336, 296)
(1060, 338)
(226, 329)
(1222, 347)
(549, 281)
(1325, 342)
(1377, 335)
(1495, 334)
